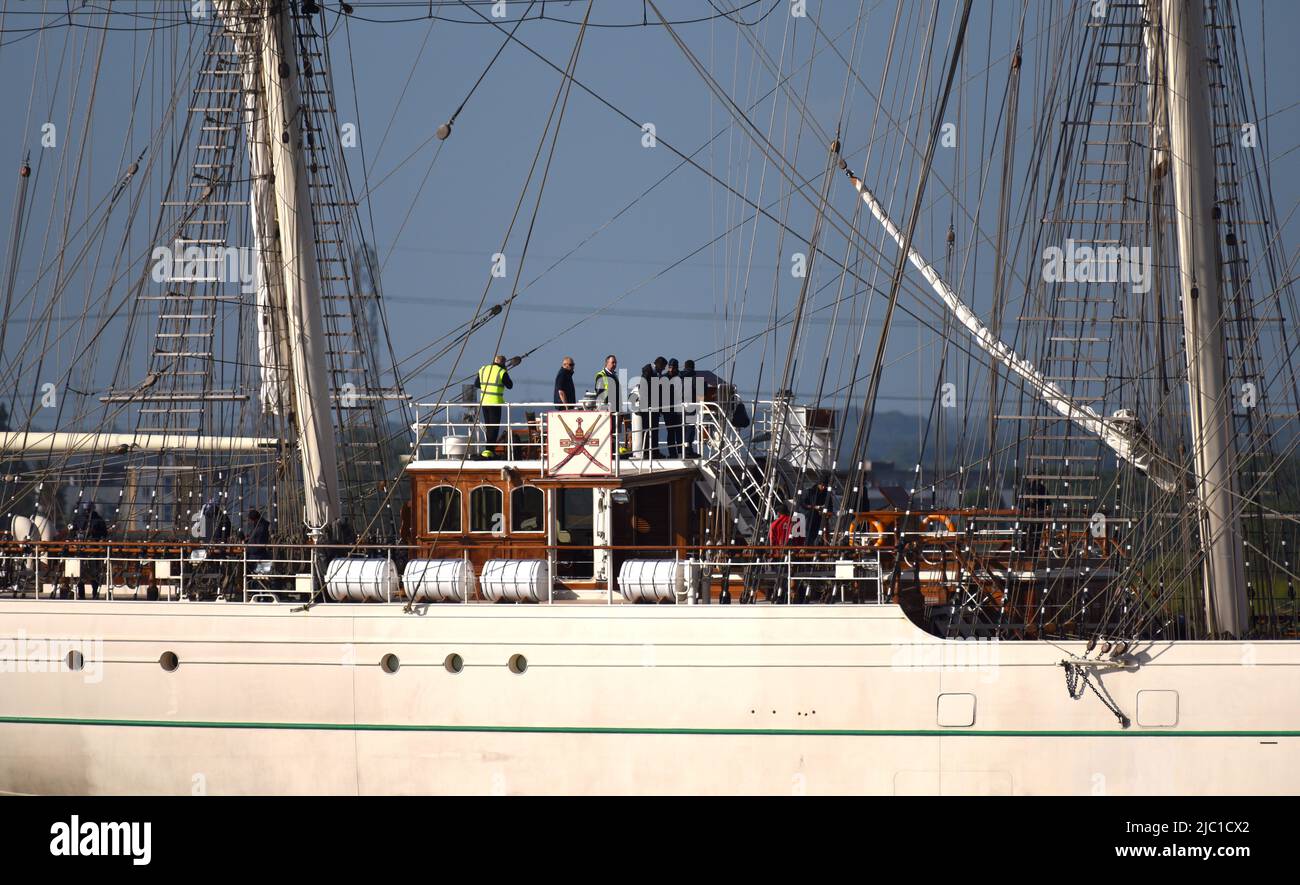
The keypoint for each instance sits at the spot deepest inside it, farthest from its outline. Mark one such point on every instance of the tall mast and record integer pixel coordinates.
(272, 336)
(299, 272)
(1191, 152)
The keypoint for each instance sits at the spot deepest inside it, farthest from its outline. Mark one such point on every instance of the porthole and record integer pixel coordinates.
(76, 661)
(454, 663)
(168, 661)
(518, 663)
(389, 663)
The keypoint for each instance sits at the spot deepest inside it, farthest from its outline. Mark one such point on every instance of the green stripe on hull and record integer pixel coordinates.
(562, 729)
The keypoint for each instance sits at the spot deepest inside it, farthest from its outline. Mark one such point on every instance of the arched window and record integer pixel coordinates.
(486, 513)
(527, 509)
(444, 509)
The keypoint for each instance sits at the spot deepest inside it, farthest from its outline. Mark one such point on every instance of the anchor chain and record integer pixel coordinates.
(1076, 680)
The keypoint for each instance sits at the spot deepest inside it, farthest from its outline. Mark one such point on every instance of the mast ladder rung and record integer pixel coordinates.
(1057, 497)
(1078, 438)
(176, 296)
(1107, 123)
(1096, 222)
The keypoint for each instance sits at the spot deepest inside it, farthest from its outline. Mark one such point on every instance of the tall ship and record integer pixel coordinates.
(247, 549)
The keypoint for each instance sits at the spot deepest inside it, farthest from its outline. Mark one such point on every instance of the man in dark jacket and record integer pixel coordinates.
(657, 403)
(565, 395)
(672, 408)
(816, 504)
(88, 525)
(690, 403)
(643, 447)
(259, 536)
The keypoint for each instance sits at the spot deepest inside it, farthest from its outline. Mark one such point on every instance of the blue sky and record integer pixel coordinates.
(437, 223)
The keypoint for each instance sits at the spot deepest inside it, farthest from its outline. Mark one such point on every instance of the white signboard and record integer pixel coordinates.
(579, 443)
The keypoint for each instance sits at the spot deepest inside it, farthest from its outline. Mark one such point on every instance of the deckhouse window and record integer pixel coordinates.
(444, 509)
(527, 509)
(485, 510)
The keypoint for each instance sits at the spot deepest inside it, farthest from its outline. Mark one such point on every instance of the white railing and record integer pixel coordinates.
(457, 431)
(294, 573)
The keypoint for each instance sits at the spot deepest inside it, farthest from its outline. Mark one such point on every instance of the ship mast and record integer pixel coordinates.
(1191, 157)
(298, 272)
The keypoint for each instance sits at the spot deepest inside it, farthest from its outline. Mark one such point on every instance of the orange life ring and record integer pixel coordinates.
(931, 557)
(939, 518)
(877, 528)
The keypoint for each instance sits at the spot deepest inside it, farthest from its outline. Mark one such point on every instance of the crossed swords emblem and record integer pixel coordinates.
(578, 442)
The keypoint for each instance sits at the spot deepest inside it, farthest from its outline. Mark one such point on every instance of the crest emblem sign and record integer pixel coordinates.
(579, 443)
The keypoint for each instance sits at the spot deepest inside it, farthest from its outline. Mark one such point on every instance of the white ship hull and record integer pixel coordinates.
(617, 699)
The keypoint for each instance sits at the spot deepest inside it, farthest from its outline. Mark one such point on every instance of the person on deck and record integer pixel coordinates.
(641, 429)
(493, 381)
(259, 536)
(565, 395)
(672, 408)
(657, 397)
(607, 394)
(88, 525)
(815, 504)
(778, 536)
(690, 407)
(216, 524)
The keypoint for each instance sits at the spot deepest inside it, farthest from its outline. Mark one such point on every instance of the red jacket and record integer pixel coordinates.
(778, 535)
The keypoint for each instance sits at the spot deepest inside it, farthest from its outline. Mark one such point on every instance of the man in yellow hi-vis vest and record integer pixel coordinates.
(493, 381)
